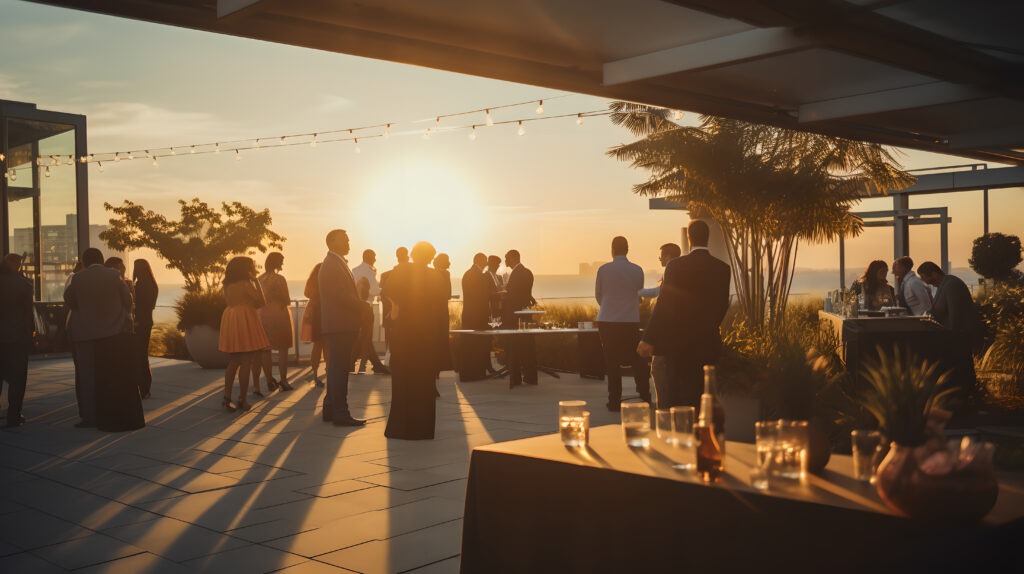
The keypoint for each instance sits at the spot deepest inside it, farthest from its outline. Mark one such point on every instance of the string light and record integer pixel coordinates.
(256, 144)
(173, 152)
(472, 133)
(540, 106)
(426, 134)
(117, 157)
(47, 174)
(2, 157)
(100, 165)
(356, 142)
(312, 142)
(155, 163)
(437, 121)
(216, 147)
(579, 119)
(489, 119)
(238, 155)
(71, 160)
(387, 131)
(522, 128)
(193, 149)
(14, 175)
(130, 156)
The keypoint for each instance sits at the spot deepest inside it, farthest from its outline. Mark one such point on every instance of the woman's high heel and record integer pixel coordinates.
(272, 385)
(284, 385)
(226, 403)
(244, 406)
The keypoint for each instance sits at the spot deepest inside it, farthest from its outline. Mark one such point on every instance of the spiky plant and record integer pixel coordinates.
(903, 390)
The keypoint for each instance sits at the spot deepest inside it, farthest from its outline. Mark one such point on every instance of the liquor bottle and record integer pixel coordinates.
(710, 431)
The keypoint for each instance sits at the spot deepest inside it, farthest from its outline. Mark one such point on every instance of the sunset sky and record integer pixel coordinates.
(551, 193)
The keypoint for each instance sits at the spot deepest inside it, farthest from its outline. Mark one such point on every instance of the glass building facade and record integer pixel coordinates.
(44, 205)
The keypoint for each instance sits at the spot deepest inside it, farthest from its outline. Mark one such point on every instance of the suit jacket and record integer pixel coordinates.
(954, 308)
(476, 298)
(100, 303)
(17, 312)
(340, 306)
(693, 301)
(519, 294)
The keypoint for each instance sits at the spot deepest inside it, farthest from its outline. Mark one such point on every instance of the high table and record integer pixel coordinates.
(533, 505)
(526, 333)
(859, 338)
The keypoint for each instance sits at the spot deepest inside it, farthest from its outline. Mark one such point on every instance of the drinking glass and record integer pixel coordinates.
(586, 428)
(867, 444)
(636, 423)
(682, 428)
(789, 452)
(663, 426)
(571, 422)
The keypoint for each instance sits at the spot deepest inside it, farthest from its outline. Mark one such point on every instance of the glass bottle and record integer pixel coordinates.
(710, 431)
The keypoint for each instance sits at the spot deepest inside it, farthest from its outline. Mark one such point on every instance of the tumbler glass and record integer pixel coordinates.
(636, 423)
(867, 444)
(571, 422)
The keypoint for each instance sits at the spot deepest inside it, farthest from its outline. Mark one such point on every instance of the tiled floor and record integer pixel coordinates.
(274, 489)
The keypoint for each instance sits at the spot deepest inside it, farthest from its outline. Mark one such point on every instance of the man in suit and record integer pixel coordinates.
(912, 293)
(954, 308)
(497, 284)
(476, 305)
(617, 291)
(340, 312)
(683, 330)
(17, 324)
(520, 350)
(100, 303)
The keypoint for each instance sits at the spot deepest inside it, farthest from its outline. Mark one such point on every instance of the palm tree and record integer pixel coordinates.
(768, 188)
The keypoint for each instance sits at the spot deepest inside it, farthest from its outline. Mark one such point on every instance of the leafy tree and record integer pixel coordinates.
(200, 243)
(995, 255)
(768, 188)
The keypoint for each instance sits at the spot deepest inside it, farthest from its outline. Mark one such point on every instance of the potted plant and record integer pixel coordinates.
(924, 475)
(197, 245)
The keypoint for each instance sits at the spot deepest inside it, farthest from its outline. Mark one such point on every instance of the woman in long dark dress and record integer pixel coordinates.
(146, 292)
(419, 341)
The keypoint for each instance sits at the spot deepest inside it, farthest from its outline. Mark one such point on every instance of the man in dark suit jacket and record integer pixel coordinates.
(520, 350)
(496, 284)
(341, 309)
(954, 307)
(100, 306)
(683, 330)
(476, 307)
(17, 323)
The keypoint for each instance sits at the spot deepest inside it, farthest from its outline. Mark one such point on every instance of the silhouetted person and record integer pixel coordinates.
(311, 330)
(402, 256)
(276, 316)
(443, 265)
(100, 303)
(17, 324)
(666, 253)
(364, 351)
(617, 290)
(683, 330)
(341, 310)
(954, 308)
(241, 332)
(875, 287)
(497, 285)
(475, 351)
(146, 292)
(520, 350)
(419, 341)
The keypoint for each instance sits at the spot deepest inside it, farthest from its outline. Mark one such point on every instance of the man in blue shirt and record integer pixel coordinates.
(618, 322)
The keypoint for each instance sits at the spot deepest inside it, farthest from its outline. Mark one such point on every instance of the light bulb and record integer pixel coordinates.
(100, 165)
(579, 119)
(490, 120)
(216, 147)
(257, 144)
(387, 131)
(678, 115)
(71, 160)
(117, 158)
(14, 175)
(47, 174)
(522, 128)
(312, 142)
(356, 142)
(2, 157)
(155, 163)
(437, 121)
(147, 153)
(130, 156)
(39, 161)
(426, 134)
(54, 160)
(193, 150)
(173, 152)
(238, 156)
(540, 106)
(472, 133)
(83, 159)
(282, 138)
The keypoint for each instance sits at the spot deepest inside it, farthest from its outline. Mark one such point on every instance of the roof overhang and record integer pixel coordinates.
(939, 75)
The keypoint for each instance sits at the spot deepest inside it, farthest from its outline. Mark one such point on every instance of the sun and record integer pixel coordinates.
(421, 201)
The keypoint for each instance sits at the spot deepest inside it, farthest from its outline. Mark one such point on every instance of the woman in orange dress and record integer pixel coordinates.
(277, 322)
(241, 331)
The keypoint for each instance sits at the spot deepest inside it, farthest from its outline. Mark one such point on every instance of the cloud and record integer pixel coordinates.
(11, 88)
(55, 34)
(143, 125)
(331, 103)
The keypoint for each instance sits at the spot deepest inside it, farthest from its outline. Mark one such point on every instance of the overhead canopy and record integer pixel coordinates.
(938, 75)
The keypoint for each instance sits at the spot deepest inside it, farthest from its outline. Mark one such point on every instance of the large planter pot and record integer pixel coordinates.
(201, 342)
(925, 485)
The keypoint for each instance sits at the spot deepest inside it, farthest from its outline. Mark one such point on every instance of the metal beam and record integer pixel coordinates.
(750, 45)
(993, 178)
(931, 94)
(1011, 136)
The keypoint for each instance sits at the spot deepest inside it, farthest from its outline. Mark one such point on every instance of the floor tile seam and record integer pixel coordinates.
(413, 489)
(29, 506)
(159, 461)
(367, 487)
(141, 551)
(429, 564)
(413, 531)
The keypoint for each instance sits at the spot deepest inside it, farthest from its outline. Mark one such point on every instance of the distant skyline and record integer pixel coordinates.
(552, 193)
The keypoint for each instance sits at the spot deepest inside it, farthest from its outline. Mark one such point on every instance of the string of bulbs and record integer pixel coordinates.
(312, 139)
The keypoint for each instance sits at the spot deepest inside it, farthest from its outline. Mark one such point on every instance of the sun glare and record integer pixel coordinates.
(420, 201)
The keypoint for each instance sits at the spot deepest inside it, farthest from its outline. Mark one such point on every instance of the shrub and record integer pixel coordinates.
(203, 307)
(167, 341)
(995, 255)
